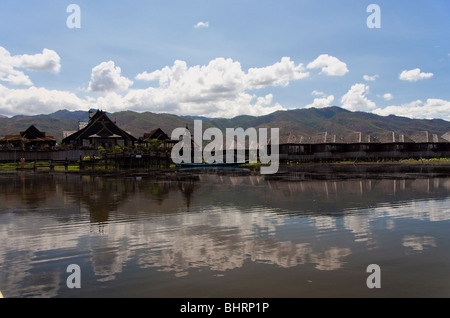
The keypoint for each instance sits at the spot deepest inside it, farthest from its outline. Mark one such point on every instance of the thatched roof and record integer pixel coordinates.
(360, 137)
(427, 137)
(291, 138)
(446, 136)
(326, 138)
(393, 137)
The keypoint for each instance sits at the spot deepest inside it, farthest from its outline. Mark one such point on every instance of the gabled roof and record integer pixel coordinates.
(291, 138)
(157, 133)
(427, 137)
(326, 138)
(393, 137)
(446, 136)
(360, 137)
(100, 126)
(32, 133)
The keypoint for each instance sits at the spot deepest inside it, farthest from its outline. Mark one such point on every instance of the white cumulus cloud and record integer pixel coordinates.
(12, 66)
(317, 93)
(278, 74)
(431, 108)
(321, 102)
(329, 65)
(34, 101)
(201, 24)
(106, 77)
(388, 96)
(218, 89)
(221, 88)
(220, 78)
(414, 75)
(48, 60)
(369, 78)
(355, 99)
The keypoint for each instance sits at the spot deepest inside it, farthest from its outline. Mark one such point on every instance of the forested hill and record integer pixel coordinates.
(299, 121)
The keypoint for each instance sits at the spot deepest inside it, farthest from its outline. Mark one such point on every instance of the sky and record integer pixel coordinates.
(225, 58)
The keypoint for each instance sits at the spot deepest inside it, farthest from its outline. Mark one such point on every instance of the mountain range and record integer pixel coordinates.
(307, 121)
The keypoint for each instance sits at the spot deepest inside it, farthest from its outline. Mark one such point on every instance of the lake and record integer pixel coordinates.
(223, 234)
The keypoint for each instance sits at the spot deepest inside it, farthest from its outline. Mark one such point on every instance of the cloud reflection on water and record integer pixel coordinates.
(214, 222)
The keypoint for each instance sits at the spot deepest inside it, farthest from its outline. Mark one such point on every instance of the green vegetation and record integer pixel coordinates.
(41, 165)
(8, 166)
(430, 160)
(350, 162)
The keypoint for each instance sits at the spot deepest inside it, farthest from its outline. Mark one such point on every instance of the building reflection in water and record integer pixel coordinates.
(218, 222)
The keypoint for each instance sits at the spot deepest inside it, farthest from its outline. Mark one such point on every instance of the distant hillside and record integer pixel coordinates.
(299, 121)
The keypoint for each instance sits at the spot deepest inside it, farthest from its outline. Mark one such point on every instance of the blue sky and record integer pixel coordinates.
(225, 58)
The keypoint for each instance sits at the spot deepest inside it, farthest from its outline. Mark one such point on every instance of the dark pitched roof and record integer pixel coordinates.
(32, 133)
(100, 126)
(426, 137)
(157, 133)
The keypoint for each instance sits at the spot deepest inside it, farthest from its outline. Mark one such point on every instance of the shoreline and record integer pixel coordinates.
(373, 170)
(286, 172)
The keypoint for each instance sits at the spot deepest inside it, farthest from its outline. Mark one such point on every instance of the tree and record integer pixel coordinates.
(154, 145)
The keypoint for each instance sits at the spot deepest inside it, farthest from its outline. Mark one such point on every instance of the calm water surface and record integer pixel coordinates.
(223, 235)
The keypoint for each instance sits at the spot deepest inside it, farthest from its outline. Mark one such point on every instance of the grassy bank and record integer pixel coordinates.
(41, 165)
(45, 165)
(352, 162)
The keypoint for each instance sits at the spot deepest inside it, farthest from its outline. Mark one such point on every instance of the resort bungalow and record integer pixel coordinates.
(100, 131)
(360, 145)
(395, 145)
(237, 150)
(294, 147)
(159, 135)
(429, 145)
(327, 146)
(30, 139)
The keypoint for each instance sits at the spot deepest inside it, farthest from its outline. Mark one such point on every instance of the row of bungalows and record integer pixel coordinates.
(101, 131)
(360, 146)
